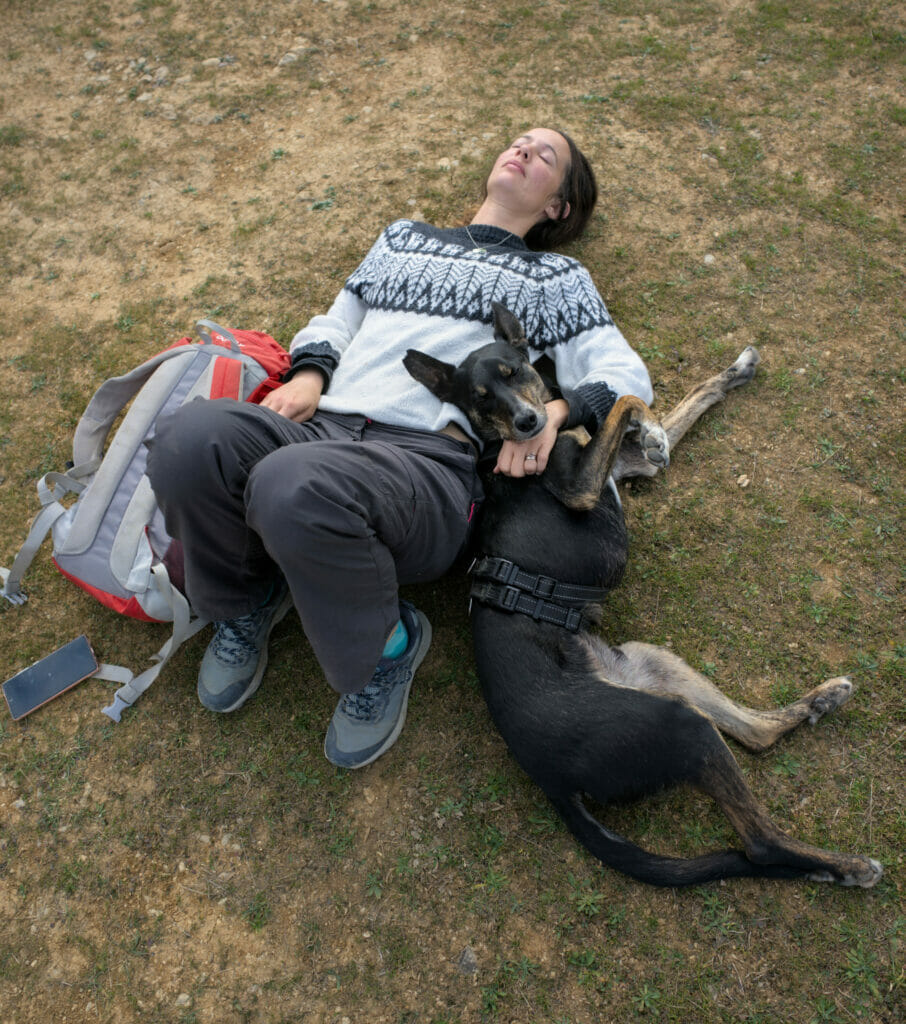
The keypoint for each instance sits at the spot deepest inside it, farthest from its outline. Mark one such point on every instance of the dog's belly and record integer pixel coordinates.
(567, 725)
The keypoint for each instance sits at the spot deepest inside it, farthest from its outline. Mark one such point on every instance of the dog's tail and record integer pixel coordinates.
(622, 855)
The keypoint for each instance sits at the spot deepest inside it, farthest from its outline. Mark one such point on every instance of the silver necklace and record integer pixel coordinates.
(484, 248)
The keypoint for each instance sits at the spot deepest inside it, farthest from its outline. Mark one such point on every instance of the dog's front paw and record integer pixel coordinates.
(654, 444)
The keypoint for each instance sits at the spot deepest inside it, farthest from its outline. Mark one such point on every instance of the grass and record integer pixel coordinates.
(178, 867)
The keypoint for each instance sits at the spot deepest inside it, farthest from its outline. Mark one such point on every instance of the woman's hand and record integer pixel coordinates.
(298, 398)
(515, 458)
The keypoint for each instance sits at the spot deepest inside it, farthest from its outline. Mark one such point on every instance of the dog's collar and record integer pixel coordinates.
(503, 584)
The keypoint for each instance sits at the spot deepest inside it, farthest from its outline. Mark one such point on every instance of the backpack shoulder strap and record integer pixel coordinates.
(184, 626)
(108, 402)
(52, 487)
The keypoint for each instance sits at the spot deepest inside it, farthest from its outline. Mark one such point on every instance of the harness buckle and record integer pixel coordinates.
(502, 571)
(509, 599)
(544, 587)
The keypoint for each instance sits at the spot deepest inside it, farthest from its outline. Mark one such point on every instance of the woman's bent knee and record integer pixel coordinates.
(195, 446)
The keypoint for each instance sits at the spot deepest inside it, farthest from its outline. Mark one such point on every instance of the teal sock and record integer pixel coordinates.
(397, 642)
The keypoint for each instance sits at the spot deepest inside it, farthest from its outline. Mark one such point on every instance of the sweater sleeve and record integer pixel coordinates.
(596, 365)
(324, 339)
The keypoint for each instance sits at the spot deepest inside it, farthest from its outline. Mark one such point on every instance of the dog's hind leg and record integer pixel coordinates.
(620, 854)
(657, 670)
(631, 461)
(766, 844)
(655, 741)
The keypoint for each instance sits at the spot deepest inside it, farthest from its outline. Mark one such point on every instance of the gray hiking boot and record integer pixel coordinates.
(367, 723)
(234, 663)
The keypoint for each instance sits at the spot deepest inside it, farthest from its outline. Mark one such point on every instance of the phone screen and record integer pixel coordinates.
(49, 677)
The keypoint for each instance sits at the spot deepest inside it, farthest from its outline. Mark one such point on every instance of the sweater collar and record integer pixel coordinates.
(491, 235)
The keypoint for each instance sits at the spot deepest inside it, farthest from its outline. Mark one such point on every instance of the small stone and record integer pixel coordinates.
(211, 62)
(467, 963)
(743, 481)
(183, 999)
(709, 259)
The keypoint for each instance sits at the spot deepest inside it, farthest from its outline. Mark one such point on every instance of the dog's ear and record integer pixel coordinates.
(437, 376)
(507, 327)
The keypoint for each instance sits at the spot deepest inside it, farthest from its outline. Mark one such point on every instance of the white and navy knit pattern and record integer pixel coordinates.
(439, 273)
(432, 289)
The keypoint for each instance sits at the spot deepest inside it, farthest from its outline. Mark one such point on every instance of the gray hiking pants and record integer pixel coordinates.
(344, 508)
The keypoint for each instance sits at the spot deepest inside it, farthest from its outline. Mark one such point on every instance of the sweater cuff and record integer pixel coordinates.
(308, 360)
(593, 403)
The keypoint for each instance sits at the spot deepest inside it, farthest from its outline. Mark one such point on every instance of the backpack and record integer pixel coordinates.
(111, 540)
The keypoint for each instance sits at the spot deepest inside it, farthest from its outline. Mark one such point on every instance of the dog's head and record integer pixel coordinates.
(495, 386)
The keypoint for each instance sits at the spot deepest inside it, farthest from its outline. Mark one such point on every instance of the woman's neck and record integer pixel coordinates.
(498, 216)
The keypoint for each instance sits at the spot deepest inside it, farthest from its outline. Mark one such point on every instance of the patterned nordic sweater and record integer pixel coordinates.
(431, 289)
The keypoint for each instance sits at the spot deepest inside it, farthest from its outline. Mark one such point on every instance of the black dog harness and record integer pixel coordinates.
(502, 584)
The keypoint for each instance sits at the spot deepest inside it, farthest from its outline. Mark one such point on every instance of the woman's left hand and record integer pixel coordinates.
(529, 458)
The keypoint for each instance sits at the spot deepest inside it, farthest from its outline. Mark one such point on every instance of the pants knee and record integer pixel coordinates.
(197, 446)
(293, 496)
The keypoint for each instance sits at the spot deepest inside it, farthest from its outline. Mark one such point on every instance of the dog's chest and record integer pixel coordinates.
(522, 522)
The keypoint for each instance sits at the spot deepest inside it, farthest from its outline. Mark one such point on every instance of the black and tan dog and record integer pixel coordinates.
(586, 721)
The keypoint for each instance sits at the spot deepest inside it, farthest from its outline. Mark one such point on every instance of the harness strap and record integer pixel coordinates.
(509, 599)
(503, 584)
(508, 574)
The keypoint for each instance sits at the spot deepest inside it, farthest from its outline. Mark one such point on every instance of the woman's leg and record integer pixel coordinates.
(198, 464)
(346, 523)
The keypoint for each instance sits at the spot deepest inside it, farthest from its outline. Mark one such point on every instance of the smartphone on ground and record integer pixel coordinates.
(48, 678)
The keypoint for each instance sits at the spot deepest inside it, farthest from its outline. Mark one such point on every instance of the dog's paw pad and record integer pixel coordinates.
(821, 876)
(654, 444)
(828, 697)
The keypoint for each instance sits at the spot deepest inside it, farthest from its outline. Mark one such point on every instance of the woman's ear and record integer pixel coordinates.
(557, 209)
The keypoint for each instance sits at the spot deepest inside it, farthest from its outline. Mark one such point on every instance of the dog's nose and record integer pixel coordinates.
(526, 421)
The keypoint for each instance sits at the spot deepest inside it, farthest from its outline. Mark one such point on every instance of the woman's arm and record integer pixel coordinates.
(597, 365)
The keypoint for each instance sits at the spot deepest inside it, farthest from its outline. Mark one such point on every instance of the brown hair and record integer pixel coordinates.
(580, 190)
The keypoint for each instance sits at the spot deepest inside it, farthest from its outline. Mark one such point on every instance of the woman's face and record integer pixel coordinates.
(529, 174)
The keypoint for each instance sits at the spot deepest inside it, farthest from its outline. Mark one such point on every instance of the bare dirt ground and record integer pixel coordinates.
(160, 162)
